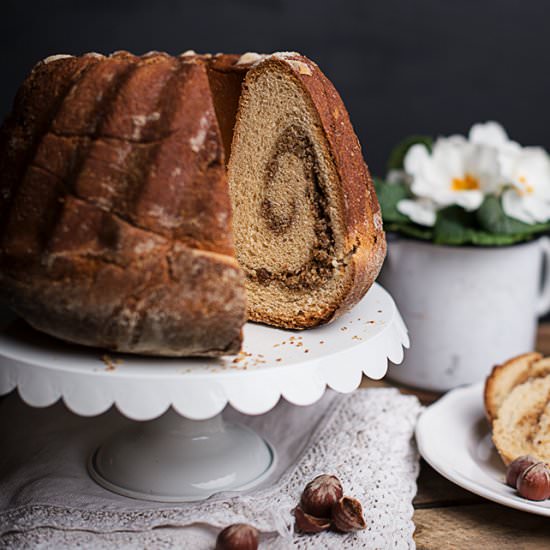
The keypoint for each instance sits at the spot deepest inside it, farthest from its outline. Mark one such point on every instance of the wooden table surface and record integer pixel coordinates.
(447, 516)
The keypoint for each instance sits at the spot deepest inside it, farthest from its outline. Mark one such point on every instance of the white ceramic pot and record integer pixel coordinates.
(466, 308)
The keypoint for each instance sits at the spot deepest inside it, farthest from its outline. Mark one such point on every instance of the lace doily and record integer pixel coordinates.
(366, 438)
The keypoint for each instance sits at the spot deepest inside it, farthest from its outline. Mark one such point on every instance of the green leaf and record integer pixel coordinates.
(491, 217)
(455, 226)
(410, 230)
(389, 194)
(397, 156)
(481, 238)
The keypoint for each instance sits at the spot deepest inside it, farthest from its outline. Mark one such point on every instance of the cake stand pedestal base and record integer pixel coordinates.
(175, 459)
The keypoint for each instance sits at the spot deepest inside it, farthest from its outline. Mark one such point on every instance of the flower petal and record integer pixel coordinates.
(448, 156)
(415, 159)
(469, 200)
(512, 204)
(421, 211)
(490, 133)
(538, 209)
(483, 163)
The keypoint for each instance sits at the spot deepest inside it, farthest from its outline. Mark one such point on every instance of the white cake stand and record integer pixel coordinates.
(185, 451)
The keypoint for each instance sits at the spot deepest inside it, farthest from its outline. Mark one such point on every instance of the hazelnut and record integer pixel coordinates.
(517, 467)
(347, 515)
(305, 523)
(320, 495)
(238, 536)
(534, 482)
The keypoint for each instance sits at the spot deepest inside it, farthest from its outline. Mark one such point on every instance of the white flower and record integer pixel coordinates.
(455, 172)
(528, 173)
(463, 171)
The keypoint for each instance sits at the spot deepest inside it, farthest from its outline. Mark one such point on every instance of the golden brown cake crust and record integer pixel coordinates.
(116, 223)
(518, 367)
(365, 238)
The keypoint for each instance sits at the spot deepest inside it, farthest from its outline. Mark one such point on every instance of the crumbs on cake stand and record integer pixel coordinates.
(110, 362)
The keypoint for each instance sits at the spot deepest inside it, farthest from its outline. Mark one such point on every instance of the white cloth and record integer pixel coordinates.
(366, 438)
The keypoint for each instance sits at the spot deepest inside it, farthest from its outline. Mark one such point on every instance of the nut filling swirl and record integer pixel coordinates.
(280, 218)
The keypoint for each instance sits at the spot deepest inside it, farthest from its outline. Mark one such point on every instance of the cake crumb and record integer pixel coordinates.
(355, 337)
(110, 363)
(321, 342)
(344, 328)
(279, 359)
(306, 351)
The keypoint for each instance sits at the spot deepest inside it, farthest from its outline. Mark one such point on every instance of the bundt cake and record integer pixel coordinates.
(121, 228)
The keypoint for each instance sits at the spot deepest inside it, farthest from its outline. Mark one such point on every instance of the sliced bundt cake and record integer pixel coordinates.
(115, 215)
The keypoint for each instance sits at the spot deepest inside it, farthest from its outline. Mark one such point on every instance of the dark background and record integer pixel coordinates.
(402, 67)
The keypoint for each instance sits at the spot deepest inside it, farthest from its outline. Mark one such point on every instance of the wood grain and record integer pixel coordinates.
(436, 491)
(484, 525)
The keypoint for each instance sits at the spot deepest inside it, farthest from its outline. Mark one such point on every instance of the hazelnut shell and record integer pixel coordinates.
(347, 515)
(517, 467)
(305, 523)
(238, 536)
(534, 482)
(320, 495)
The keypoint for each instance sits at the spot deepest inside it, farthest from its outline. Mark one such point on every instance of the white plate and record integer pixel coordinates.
(454, 437)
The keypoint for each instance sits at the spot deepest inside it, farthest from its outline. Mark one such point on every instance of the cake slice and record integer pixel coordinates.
(306, 221)
(541, 436)
(518, 430)
(504, 378)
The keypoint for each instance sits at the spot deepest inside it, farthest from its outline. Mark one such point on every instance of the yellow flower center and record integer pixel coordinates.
(467, 183)
(527, 189)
